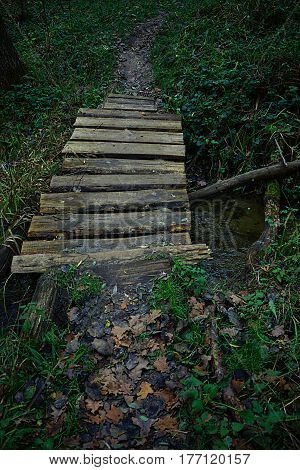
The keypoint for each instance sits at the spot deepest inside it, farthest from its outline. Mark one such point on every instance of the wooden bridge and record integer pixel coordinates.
(121, 200)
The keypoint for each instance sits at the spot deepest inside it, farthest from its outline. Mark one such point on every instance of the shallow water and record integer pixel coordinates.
(229, 225)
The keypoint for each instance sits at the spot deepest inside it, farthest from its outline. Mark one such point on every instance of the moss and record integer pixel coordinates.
(273, 190)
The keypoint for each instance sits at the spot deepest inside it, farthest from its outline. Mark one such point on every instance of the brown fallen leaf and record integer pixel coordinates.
(153, 316)
(136, 372)
(166, 424)
(92, 405)
(124, 304)
(137, 325)
(278, 331)
(161, 364)
(115, 414)
(96, 419)
(144, 425)
(119, 331)
(107, 381)
(145, 390)
(230, 331)
(235, 300)
(169, 398)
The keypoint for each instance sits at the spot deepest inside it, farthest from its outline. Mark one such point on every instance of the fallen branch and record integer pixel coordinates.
(269, 172)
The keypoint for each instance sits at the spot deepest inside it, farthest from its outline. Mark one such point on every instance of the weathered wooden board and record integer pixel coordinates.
(130, 107)
(146, 102)
(106, 225)
(113, 201)
(113, 113)
(110, 149)
(42, 262)
(127, 135)
(94, 245)
(92, 183)
(105, 166)
(128, 97)
(120, 123)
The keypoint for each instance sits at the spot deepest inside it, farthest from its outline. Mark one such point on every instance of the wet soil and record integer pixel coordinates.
(134, 71)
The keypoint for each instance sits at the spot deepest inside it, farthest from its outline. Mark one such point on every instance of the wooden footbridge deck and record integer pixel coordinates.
(121, 197)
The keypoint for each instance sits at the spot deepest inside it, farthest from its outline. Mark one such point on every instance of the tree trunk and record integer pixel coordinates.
(269, 172)
(11, 68)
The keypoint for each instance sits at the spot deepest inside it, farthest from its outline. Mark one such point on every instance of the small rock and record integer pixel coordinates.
(102, 347)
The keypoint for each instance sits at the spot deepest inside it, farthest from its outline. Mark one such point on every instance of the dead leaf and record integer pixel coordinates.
(145, 390)
(136, 372)
(73, 314)
(278, 331)
(143, 424)
(115, 414)
(119, 331)
(92, 405)
(161, 364)
(235, 300)
(137, 325)
(96, 419)
(124, 304)
(205, 360)
(107, 381)
(169, 398)
(230, 331)
(153, 316)
(166, 424)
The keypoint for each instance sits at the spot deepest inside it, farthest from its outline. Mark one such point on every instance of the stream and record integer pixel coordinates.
(228, 225)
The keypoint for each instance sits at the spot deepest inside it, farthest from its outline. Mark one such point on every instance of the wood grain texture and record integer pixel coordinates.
(113, 113)
(128, 97)
(106, 225)
(110, 149)
(127, 135)
(42, 262)
(120, 123)
(132, 100)
(94, 245)
(106, 166)
(92, 183)
(130, 106)
(117, 201)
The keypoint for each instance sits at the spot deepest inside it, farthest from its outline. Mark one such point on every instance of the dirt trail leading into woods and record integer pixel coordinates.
(134, 72)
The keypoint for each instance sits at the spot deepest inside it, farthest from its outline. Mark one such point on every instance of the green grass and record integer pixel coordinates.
(232, 68)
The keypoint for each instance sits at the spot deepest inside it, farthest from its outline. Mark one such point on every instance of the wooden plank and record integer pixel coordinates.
(43, 262)
(93, 245)
(113, 201)
(106, 225)
(120, 123)
(113, 113)
(126, 135)
(145, 102)
(109, 149)
(130, 107)
(109, 183)
(105, 166)
(126, 97)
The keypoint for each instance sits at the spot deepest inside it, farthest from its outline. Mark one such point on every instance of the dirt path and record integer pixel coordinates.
(134, 72)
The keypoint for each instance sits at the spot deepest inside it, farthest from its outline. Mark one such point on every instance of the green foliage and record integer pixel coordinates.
(80, 284)
(172, 292)
(231, 67)
(33, 374)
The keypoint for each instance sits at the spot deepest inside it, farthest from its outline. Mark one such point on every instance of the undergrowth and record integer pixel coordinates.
(231, 67)
(241, 350)
(42, 377)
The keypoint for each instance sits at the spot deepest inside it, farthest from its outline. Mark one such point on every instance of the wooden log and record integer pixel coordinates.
(111, 149)
(95, 245)
(50, 302)
(116, 201)
(270, 172)
(122, 123)
(126, 135)
(42, 262)
(116, 166)
(107, 183)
